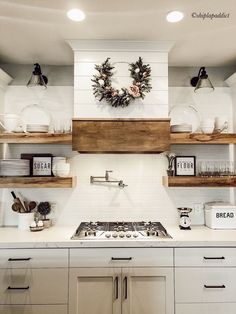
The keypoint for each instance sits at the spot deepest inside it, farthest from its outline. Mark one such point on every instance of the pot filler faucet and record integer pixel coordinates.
(106, 179)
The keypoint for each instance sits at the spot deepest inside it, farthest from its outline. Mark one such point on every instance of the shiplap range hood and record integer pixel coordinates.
(141, 127)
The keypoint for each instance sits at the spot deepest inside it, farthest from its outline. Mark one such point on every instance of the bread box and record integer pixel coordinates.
(220, 215)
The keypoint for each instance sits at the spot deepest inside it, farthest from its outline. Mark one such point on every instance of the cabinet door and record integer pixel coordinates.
(95, 291)
(147, 291)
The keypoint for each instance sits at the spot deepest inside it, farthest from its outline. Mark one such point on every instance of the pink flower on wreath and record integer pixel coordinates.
(114, 93)
(134, 91)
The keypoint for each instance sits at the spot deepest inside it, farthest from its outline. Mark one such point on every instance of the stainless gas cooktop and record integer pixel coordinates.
(120, 230)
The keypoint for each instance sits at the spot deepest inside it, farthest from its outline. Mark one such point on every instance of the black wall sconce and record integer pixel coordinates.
(37, 78)
(202, 82)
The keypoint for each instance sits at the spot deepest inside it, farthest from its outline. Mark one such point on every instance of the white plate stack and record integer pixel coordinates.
(37, 128)
(14, 167)
(181, 128)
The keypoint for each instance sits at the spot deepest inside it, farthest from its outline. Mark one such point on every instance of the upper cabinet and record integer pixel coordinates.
(121, 135)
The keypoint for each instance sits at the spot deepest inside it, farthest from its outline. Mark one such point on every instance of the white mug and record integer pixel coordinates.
(208, 122)
(10, 121)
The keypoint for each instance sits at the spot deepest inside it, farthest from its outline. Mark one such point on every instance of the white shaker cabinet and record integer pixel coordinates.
(121, 291)
(33, 281)
(205, 280)
(121, 281)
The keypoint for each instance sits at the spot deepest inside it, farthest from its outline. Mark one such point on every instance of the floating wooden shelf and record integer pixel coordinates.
(200, 138)
(37, 182)
(35, 138)
(183, 181)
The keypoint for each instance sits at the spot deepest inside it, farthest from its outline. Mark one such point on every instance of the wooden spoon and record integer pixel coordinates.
(16, 207)
(31, 206)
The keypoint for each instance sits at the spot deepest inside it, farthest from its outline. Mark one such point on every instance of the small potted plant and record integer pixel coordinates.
(44, 209)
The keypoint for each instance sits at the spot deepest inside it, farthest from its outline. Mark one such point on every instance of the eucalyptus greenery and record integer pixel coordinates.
(102, 85)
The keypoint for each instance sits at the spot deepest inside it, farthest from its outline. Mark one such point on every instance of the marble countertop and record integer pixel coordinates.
(59, 237)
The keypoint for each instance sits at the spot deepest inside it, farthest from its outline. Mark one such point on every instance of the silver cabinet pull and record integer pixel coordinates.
(220, 257)
(214, 287)
(117, 288)
(18, 288)
(121, 258)
(19, 259)
(125, 282)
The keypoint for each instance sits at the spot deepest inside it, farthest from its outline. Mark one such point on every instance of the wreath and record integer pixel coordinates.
(102, 87)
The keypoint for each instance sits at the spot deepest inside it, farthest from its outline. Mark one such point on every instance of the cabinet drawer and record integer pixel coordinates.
(205, 285)
(33, 258)
(37, 286)
(121, 257)
(206, 257)
(206, 308)
(33, 309)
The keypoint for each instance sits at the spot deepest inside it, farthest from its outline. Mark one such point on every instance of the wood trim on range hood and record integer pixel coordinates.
(121, 135)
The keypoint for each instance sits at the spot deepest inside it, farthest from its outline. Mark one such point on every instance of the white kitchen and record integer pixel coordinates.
(117, 157)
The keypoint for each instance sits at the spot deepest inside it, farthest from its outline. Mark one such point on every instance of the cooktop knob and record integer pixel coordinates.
(121, 235)
(135, 235)
(115, 235)
(128, 235)
(107, 235)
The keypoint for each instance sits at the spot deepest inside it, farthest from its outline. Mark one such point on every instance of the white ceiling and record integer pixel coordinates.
(36, 30)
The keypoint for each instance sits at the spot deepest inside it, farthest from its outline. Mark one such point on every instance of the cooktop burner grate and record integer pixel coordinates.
(102, 230)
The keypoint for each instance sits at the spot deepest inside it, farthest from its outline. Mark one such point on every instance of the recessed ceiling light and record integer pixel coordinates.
(174, 16)
(76, 15)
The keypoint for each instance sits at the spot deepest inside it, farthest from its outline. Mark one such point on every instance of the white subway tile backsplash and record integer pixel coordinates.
(209, 105)
(57, 100)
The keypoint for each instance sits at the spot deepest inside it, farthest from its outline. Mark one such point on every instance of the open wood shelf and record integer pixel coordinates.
(183, 181)
(35, 138)
(200, 138)
(37, 182)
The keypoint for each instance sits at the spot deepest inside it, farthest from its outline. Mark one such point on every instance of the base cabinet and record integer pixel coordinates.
(33, 309)
(205, 280)
(121, 291)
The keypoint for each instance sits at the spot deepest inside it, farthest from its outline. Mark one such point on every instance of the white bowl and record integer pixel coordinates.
(61, 169)
(207, 129)
(203, 125)
(208, 121)
(62, 173)
(62, 166)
